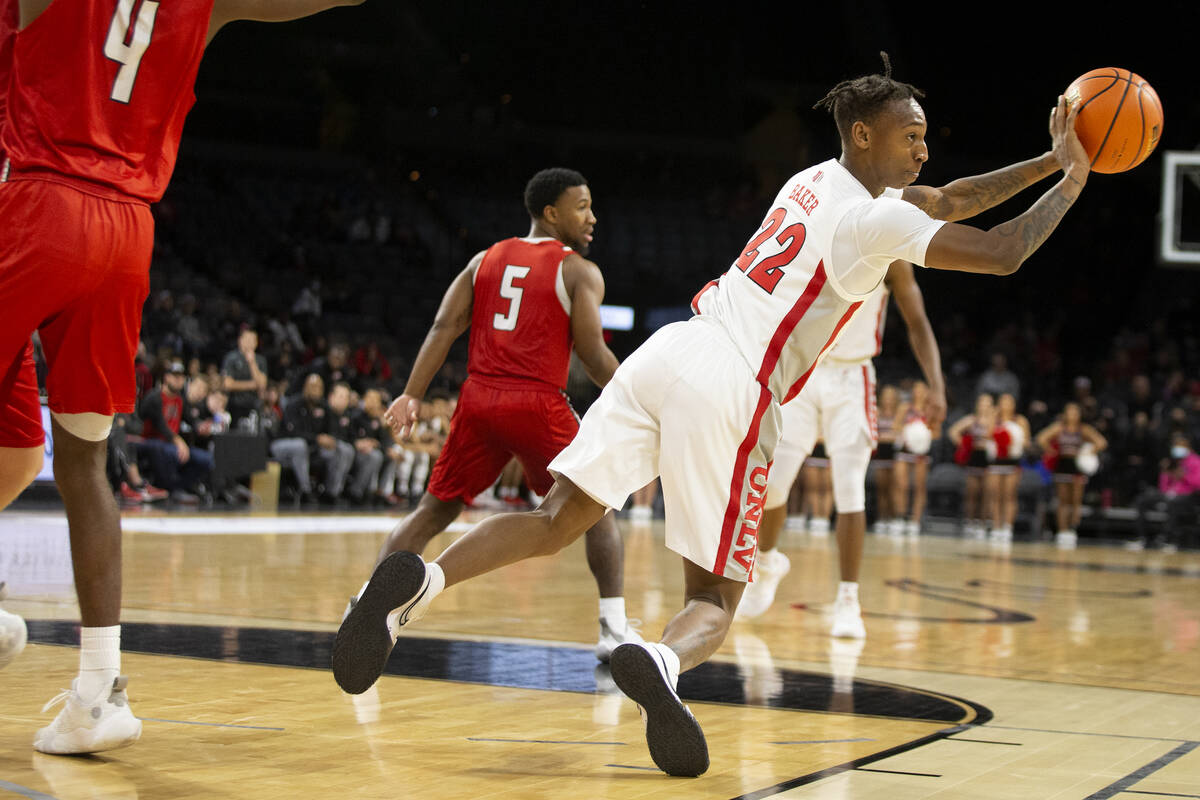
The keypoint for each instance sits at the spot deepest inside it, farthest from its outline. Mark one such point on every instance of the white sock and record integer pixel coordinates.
(99, 660)
(612, 611)
(672, 660)
(848, 590)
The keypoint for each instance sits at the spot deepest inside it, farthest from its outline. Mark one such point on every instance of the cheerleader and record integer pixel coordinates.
(818, 490)
(1010, 436)
(972, 438)
(884, 456)
(911, 467)
(1071, 447)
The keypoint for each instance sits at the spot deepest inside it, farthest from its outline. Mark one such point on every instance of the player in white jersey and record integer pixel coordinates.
(698, 403)
(838, 403)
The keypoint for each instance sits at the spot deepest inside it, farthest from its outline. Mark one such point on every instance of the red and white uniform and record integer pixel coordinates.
(97, 96)
(838, 405)
(512, 403)
(698, 403)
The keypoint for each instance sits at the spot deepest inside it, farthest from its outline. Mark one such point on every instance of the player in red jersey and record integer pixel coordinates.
(527, 301)
(97, 97)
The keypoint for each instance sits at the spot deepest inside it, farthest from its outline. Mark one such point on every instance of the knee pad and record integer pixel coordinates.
(849, 467)
(87, 426)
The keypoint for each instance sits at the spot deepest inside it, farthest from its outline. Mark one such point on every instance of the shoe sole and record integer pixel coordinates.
(675, 739)
(364, 641)
(93, 747)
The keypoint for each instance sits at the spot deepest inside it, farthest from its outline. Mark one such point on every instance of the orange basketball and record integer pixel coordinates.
(1120, 120)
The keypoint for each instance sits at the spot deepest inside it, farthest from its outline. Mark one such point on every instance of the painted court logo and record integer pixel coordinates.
(746, 543)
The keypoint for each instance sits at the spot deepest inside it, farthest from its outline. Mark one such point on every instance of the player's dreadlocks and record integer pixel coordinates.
(863, 98)
(547, 186)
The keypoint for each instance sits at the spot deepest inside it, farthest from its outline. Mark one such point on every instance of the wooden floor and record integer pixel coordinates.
(1051, 674)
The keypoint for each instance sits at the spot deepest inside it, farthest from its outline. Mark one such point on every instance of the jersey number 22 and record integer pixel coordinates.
(126, 49)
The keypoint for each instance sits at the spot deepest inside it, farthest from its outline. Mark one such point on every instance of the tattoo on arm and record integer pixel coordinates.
(1035, 225)
(967, 197)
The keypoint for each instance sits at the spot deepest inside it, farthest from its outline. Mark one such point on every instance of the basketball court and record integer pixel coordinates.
(1019, 672)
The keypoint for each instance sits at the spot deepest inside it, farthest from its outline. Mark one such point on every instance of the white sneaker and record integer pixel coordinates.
(847, 620)
(895, 527)
(104, 723)
(641, 514)
(675, 739)
(818, 528)
(12, 634)
(1066, 540)
(795, 522)
(912, 528)
(612, 636)
(398, 593)
(760, 592)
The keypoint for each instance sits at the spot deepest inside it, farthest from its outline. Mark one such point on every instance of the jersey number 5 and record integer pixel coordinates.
(126, 49)
(511, 292)
(769, 271)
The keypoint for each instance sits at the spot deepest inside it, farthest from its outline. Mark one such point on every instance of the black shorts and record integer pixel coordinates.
(884, 451)
(978, 459)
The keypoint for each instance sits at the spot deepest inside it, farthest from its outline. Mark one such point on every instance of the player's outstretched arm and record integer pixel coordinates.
(904, 288)
(585, 286)
(966, 197)
(225, 11)
(1002, 249)
(452, 319)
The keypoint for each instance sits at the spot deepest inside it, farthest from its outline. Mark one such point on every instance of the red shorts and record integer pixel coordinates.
(76, 268)
(494, 422)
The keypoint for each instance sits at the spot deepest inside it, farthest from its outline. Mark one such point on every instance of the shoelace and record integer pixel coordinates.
(58, 698)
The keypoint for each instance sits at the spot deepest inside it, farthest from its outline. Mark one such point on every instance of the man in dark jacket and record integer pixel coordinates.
(177, 467)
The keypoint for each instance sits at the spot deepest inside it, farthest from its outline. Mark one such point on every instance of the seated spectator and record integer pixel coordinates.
(371, 440)
(371, 364)
(123, 473)
(347, 463)
(244, 374)
(304, 435)
(334, 366)
(176, 466)
(1178, 493)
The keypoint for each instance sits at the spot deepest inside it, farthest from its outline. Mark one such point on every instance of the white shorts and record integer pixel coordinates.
(684, 406)
(838, 404)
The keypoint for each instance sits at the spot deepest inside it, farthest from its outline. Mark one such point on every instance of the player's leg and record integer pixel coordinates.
(800, 423)
(90, 346)
(21, 451)
(421, 525)
(849, 442)
(403, 584)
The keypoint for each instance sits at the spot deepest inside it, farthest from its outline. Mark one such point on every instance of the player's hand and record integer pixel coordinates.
(183, 451)
(1067, 148)
(935, 408)
(402, 415)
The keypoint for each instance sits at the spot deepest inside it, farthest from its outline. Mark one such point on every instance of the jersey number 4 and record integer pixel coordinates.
(512, 293)
(127, 41)
(767, 272)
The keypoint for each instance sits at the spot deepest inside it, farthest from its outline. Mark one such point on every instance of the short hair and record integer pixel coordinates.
(547, 186)
(864, 97)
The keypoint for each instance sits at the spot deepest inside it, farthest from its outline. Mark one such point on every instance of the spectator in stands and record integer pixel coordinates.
(302, 435)
(371, 439)
(335, 366)
(196, 416)
(245, 376)
(123, 473)
(1177, 494)
(1135, 454)
(177, 467)
(193, 338)
(340, 459)
(371, 364)
(141, 370)
(998, 379)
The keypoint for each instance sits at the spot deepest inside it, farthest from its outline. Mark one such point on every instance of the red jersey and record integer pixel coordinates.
(10, 19)
(99, 91)
(521, 314)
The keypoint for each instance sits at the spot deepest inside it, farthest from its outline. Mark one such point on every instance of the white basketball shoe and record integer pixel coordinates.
(12, 633)
(90, 725)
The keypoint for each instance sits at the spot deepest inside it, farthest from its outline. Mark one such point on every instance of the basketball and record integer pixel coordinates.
(1120, 119)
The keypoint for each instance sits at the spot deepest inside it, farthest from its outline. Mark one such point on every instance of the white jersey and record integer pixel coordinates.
(822, 251)
(862, 338)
